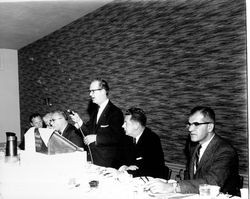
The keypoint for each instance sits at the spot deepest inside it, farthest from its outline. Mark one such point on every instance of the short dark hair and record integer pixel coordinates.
(205, 111)
(102, 84)
(138, 115)
(34, 115)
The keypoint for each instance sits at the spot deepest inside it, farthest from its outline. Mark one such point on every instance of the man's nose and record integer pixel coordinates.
(191, 127)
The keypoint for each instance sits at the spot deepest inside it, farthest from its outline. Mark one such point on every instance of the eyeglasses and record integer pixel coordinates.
(93, 90)
(52, 120)
(197, 124)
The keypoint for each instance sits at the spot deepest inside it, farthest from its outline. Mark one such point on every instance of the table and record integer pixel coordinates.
(67, 176)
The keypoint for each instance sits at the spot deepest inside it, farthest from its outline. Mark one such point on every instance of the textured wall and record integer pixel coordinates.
(165, 56)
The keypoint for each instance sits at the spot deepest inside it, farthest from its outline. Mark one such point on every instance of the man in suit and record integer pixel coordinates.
(103, 132)
(215, 164)
(59, 122)
(146, 157)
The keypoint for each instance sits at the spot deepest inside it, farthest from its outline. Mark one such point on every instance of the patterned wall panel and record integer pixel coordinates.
(163, 56)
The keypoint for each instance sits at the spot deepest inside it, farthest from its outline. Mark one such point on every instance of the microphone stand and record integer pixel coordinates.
(91, 157)
(90, 153)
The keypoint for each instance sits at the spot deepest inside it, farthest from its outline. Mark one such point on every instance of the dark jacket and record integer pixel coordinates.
(105, 151)
(147, 154)
(73, 135)
(218, 166)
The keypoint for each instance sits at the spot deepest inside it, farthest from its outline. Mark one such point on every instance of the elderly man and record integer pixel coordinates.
(59, 122)
(212, 161)
(104, 129)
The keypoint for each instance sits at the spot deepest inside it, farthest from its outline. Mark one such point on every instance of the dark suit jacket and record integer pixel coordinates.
(105, 151)
(218, 166)
(147, 154)
(73, 135)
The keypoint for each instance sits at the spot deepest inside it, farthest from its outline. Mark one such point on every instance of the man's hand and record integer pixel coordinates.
(89, 139)
(159, 186)
(132, 167)
(76, 118)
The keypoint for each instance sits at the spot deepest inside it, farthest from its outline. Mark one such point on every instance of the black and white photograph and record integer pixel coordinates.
(128, 99)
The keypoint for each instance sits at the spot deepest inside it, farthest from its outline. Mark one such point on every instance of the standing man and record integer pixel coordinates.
(212, 161)
(59, 122)
(147, 157)
(104, 129)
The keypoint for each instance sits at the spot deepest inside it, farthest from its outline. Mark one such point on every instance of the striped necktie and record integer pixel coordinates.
(38, 140)
(196, 159)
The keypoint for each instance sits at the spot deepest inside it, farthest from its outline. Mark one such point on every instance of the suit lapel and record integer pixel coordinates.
(93, 119)
(142, 137)
(103, 115)
(207, 153)
(65, 131)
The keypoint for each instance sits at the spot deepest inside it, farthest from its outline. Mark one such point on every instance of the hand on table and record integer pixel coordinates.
(159, 186)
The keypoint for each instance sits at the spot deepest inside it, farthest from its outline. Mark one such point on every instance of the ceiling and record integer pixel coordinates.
(25, 21)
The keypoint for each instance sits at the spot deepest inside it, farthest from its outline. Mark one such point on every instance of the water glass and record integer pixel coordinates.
(204, 190)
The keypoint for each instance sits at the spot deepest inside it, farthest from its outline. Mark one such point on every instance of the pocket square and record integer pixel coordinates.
(104, 126)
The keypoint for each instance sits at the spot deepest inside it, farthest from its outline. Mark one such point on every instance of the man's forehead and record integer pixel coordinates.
(36, 118)
(94, 84)
(127, 117)
(196, 116)
(56, 114)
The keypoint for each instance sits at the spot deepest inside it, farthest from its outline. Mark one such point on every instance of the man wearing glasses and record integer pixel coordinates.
(59, 122)
(103, 132)
(211, 161)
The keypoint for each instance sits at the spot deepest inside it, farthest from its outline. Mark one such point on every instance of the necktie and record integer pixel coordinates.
(197, 156)
(38, 140)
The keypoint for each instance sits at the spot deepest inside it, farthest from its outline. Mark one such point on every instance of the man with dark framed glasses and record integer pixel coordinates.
(59, 122)
(103, 132)
(211, 161)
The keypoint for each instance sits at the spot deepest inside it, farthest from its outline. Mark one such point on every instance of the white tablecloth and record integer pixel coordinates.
(68, 177)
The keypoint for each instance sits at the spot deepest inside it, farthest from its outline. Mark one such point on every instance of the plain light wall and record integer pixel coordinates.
(9, 94)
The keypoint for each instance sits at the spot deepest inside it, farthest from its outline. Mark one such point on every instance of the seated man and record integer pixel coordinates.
(36, 121)
(59, 122)
(212, 161)
(145, 156)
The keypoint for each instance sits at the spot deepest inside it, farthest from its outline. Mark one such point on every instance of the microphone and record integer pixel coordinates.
(70, 112)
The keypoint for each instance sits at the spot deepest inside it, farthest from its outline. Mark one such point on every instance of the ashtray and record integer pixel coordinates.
(93, 183)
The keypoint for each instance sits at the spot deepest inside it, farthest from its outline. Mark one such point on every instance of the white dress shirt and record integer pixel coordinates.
(101, 108)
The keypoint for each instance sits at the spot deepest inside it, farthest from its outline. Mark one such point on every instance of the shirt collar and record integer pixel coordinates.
(104, 104)
(205, 144)
(138, 136)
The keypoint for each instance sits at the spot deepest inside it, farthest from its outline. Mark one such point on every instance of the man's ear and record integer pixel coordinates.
(136, 125)
(210, 127)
